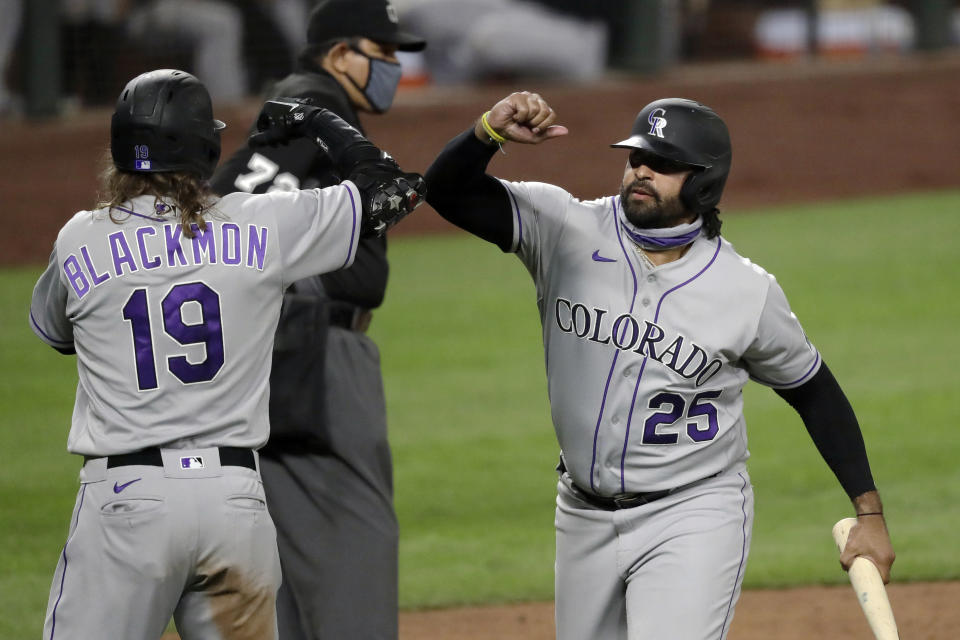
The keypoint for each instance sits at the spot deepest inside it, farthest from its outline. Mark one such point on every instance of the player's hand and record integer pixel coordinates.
(870, 539)
(522, 117)
(281, 120)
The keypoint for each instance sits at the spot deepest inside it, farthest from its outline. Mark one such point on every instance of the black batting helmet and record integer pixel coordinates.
(164, 121)
(690, 134)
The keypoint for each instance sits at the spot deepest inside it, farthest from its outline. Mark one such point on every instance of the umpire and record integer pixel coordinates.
(327, 468)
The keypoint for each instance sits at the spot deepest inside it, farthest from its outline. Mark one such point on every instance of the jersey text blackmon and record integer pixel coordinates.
(151, 247)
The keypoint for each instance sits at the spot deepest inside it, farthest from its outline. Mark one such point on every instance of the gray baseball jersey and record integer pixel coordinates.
(177, 332)
(645, 369)
(645, 365)
(173, 337)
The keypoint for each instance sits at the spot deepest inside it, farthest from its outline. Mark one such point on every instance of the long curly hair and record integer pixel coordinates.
(188, 192)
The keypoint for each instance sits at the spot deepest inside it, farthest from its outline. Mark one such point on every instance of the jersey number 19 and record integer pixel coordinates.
(207, 332)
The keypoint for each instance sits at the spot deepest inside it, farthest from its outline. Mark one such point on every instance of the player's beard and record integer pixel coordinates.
(655, 213)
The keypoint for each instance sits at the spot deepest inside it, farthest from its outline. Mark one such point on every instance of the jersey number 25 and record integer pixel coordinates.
(700, 406)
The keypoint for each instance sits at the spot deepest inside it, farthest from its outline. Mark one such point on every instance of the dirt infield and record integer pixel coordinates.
(801, 132)
(923, 611)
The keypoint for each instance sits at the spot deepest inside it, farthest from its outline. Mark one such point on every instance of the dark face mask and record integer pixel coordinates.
(382, 82)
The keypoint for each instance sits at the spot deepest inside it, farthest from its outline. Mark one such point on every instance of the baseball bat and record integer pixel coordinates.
(869, 588)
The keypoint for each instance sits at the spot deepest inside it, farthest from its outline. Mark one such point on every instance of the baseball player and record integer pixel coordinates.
(327, 468)
(170, 299)
(652, 325)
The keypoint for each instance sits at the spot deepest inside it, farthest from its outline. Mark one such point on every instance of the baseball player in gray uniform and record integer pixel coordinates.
(652, 325)
(170, 298)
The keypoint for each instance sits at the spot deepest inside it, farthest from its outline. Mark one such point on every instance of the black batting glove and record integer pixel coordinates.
(282, 120)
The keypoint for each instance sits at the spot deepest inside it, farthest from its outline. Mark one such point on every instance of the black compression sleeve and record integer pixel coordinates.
(460, 190)
(831, 423)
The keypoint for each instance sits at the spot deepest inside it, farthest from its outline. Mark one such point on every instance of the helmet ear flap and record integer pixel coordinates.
(695, 194)
(702, 189)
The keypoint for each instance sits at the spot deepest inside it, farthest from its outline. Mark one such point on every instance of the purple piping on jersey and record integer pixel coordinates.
(633, 401)
(616, 354)
(33, 321)
(53, 616)
(140, 215)
(516, 212)
(769, 383)
(743, 555)
(353, 227)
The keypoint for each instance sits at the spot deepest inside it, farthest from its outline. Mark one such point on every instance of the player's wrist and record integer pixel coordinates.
(868, 504)
(486, 134)
(482, 136)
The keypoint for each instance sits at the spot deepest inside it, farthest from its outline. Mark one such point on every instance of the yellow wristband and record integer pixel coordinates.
(496, 137)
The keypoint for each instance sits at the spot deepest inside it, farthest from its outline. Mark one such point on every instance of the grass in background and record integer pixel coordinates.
(38, 478)
(473, 446)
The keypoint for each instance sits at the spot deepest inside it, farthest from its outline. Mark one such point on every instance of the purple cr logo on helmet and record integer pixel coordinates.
(657, 122)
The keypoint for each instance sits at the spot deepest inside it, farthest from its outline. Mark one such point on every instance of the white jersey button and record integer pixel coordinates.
(645, 302)
(615, 420)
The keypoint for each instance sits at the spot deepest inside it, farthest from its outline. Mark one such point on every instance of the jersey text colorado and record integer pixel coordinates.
(626, 333)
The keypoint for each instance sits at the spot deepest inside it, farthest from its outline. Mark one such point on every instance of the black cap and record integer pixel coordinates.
(373, 19)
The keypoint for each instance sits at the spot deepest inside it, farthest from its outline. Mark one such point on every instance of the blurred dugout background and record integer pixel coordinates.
(58, 56)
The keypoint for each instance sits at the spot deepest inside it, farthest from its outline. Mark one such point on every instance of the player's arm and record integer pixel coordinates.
(48, 309)
(387, 193)
(833, 427)
(458, 186)
(461, 191)
(283, 166)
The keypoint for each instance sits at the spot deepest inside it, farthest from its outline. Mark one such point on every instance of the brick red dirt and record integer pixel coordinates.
(923, 611)
(802, 132)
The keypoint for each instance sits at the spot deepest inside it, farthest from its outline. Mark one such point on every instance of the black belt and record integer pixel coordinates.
(229, 457)
(627, 500)
(619, 501)
(348, 316)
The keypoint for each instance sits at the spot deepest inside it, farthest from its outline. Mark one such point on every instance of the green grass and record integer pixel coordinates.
(38, 476)
(473, 446)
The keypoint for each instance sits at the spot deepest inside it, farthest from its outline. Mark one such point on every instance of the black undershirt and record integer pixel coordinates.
(460, 190)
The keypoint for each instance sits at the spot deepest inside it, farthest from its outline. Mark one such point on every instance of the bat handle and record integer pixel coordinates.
(868, 586)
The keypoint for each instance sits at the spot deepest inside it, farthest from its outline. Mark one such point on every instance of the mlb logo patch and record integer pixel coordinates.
(143, 165)
(191, 462)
